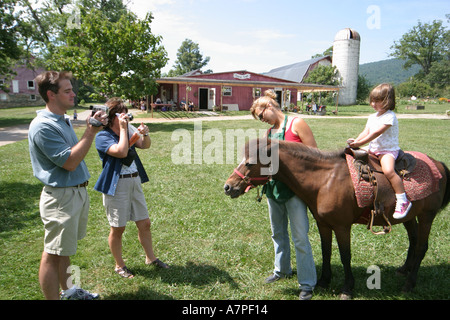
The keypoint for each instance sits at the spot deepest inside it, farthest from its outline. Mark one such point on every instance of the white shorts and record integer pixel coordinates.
(393, 154)
(128, 203)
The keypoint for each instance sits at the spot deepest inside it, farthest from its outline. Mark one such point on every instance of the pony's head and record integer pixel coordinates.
(260, 162)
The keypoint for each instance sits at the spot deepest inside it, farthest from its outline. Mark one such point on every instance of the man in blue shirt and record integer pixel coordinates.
(57, 161)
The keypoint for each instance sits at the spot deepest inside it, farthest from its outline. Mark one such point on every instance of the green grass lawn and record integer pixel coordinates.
(217, 247)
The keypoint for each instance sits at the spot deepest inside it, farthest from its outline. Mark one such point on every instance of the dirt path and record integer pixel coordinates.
(17, 133)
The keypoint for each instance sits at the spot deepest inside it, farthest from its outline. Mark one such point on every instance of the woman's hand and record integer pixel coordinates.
(143, 129)
(145, 142)
(123, 121)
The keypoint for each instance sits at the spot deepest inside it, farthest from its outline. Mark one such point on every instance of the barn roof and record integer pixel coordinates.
(296, 71)
(304, 87)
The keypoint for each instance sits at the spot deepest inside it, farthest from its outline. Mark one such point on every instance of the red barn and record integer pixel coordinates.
(233, 90)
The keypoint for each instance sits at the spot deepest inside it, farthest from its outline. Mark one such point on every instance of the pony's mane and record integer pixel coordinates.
(301, 151)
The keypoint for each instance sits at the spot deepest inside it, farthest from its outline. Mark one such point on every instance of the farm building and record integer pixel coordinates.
(234, 90)
(22, 89)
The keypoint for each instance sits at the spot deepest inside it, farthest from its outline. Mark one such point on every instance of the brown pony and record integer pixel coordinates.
(322, 180)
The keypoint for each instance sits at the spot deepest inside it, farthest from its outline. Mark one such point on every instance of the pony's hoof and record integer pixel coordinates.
(323, 284)
(407, 288)
(345, 296)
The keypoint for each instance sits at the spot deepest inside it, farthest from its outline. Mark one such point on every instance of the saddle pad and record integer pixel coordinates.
(419, 184)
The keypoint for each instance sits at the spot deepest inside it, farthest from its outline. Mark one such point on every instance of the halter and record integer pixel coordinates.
(249, 180)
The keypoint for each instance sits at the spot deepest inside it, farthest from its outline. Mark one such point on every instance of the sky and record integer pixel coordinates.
(260, 35)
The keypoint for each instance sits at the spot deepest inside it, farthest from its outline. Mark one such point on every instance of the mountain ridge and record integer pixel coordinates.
(389, 70)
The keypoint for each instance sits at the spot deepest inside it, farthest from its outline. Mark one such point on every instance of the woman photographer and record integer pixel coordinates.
(120, 182)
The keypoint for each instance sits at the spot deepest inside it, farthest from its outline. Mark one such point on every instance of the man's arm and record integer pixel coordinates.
(80, 150)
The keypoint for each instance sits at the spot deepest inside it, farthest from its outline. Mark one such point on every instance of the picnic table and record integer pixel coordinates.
(163, 106)
(321, 110)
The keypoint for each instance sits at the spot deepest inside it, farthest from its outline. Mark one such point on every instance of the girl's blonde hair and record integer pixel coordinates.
(384, 93)
(267, 100)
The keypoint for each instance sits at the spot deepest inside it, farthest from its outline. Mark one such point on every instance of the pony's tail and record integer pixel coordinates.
(447, 188)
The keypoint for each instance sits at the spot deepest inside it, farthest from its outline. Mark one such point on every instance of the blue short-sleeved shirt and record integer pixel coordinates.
(51, 139)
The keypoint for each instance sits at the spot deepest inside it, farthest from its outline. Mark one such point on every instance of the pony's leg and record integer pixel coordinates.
(343, 239)
(425, 221)
(411, 228)
(326, 237)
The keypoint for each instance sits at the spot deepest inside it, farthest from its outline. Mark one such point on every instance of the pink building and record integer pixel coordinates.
(233, 90)
(23, 90)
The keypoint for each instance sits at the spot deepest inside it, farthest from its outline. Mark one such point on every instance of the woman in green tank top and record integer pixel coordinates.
(284, 205)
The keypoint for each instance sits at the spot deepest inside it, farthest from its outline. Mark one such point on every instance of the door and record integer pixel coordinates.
(279, 99)
(203, 98)
(212, 98)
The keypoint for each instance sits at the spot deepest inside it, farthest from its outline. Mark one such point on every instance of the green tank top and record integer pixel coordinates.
(275, 189)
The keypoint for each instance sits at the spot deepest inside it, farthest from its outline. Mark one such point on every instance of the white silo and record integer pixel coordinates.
(346, 59)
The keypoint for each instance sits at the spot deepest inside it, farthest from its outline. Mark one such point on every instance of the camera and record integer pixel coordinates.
(130, 116)
(95, 109)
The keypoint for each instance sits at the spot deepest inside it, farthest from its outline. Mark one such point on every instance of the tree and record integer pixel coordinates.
(326, 75)
(328, 52)
(9, 50)
(46, 24)
(423, 45)
(189, 59)
(414, 87)
(362, 90)
(439, 75)
(119, 58)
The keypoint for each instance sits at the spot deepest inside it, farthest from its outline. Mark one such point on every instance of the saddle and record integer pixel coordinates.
(369, 169)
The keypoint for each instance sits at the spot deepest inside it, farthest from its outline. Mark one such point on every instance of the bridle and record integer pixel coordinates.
(249, 180)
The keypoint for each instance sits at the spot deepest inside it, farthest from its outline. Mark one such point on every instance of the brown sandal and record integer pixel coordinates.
(158, 263)
(124, 272)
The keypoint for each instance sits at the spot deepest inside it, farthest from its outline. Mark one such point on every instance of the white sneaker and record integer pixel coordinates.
(402, 209)
(76, 293)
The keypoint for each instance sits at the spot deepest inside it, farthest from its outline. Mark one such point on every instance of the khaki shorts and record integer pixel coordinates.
(64, 212)
(128, 203)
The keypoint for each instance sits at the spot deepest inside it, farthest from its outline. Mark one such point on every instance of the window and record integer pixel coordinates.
(227, 91)
(31, 84)
(256, 92)
(32, 97)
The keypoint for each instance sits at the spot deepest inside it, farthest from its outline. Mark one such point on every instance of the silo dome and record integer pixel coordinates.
(346, 34)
